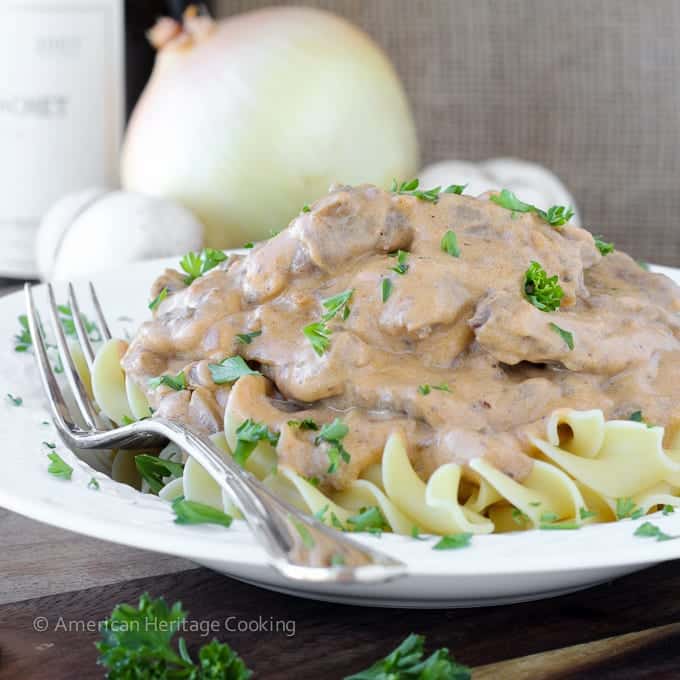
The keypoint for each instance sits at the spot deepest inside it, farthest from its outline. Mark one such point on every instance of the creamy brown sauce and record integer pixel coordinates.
(461, 321)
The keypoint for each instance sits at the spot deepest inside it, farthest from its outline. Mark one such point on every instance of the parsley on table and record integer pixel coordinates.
(402, 262)
(230, 369)
(649, 530)
(567, 336)
(333, 434)
(542, 291)
(411, 188)
(318, 333)
(368, 519)
(14, 400)
(453, 541)
(555, 216)
(385, 289)
(604, 247)
(248, 434)
(197, 264)
(449, 244)
(137, 642)
(158, 299)
(176, 382)
(191, 512)
(58, 467)
(305, 424)
(247, 338)
(154, 470)
(406, 662)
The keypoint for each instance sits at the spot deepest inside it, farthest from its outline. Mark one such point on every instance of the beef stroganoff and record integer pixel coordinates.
(439, 362)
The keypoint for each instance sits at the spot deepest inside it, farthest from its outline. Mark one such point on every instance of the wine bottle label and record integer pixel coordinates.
(61, 112)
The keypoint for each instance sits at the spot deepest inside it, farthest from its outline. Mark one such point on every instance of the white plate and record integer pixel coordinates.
(494, 570)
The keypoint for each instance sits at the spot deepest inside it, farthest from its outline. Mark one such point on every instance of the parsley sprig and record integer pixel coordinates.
(333, 434)
(176, 382)
(197, 264)
(543, 291)
(319, 333)
(411, 188)
(156, 471)
(555, 216)
(248, 434)
(138, 642)
(230, 369)
(604, 247)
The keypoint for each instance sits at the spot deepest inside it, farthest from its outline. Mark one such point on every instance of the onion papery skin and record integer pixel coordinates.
(246, 123)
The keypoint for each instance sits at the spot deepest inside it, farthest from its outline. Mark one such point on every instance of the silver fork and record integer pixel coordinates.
(298, 545)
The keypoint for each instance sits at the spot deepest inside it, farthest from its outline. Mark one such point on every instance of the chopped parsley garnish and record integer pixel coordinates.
(333, 434)
(604, 247)
(430, 195)
(449, 244)
(519, 518)
(176, 382)
(93, 484)
(542, 291)
(406, 662)
(248, 434)
(50, 445)
(636, 417)
(548, 517)
(338, 304)
(58, 467)
(453, 542)
(426, 389)
(402, 262)
(230, 369)
(154, 470)
(247, 338)
(191, 512)
(16, 401)
(668, 510)
(137, 642)
(385, 289)
(625, 507)
(565, 335)
(197, 264)
(415, 533)
(649, 530)
(314, 481)
(559, 526)
(158, 299)
(305, 534)
(555, 216)
(584, 513)
(305, 424)
(368, 519)
(318, 335)
(306, 208)
(249, 245)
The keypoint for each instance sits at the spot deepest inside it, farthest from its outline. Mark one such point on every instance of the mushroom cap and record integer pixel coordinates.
(96, 230)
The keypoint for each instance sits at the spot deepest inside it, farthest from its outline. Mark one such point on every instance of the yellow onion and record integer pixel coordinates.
(247, 119)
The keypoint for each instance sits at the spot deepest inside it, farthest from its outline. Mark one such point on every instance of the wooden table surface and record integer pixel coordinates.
(629, 628)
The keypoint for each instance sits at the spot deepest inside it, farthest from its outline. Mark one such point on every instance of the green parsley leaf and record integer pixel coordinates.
(556, 216)
(649, 530)
(402, 262)
(319, 335)
(548, 517)
(636, 417)
(625, 507)
(385, 289)
(541, 290)
(406, 662)
(449, 244)
(22, 340)
(247, 338)
(559, 526)
(604, 247)
(137, 642)
(14, 400)
(507, 199)
(59, 467)
(306, 208)
(454, 189)
(156, 471)
(249, 245)
(668, 510)
(338, 304)
(191, 512)
(93, 484)
(333, 434)
(305, 534)
(424, 389)
(306, 424)
(453, 542)
(177, 382)
(197, 264)
(248, 434)
(158, 299)
(230, 369)
(314, 481)
(567, 336)
(415, 533)
(321, 513)
(584, 513)
(368, 519)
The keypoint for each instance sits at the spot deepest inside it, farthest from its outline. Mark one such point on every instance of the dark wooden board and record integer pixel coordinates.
(332, 640)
